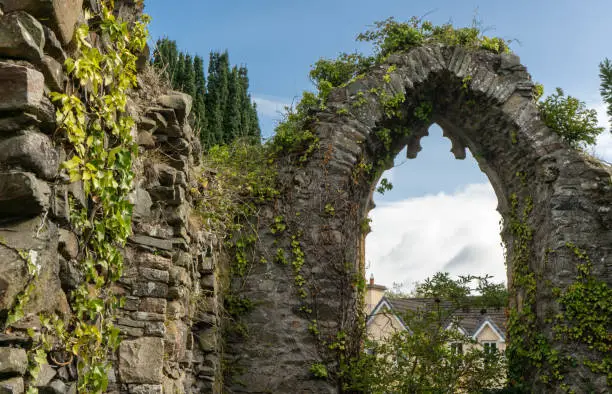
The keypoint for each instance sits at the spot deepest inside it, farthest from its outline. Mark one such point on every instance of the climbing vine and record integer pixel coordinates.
(587, 314)
(93, 116)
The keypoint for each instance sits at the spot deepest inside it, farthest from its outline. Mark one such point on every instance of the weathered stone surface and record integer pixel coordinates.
(13, 276)
(12, 386)
(53, 47)
(141, 361)
(146, 389)
(169, 176)
(22, 194)
(150, 289)
(142, 203)
(54, 74)
(13, 361)
(21, 37)
(150, 241)
(21, 121)
(146, 140)
(154, 305)
(45, 375)
(60, 15)
(68, 244)
(561, 195)
(21, 87)
(180, 102)
(168, 194)
(30, 151)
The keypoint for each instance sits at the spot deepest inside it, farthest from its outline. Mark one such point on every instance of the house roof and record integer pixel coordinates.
(471, 320)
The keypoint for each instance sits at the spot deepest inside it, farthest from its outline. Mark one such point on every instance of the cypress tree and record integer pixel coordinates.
(165, 57)
(232, 123)
(199, 104)
(255, 130)
(222, 108)
(216, 98)
(213, 100)
(178, 80)
(189, 85)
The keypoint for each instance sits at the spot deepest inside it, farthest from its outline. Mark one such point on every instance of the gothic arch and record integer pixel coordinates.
(554, 201)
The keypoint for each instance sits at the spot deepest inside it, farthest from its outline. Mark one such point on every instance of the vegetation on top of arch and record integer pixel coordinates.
(388, 37)
(567, 116)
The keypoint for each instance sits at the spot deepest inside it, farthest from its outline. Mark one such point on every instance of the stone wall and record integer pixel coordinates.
(169, 322)
(550, 196)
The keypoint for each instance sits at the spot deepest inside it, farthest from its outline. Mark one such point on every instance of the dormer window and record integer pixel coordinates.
(490, 347)
(456, 348)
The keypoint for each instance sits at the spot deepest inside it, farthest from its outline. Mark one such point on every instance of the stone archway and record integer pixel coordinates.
(555, 202)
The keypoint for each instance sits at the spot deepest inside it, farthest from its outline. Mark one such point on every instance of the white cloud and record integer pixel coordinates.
(415, 238)
(270, 107)
(603, 147)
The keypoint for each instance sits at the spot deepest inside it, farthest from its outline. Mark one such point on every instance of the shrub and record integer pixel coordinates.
(570, 118)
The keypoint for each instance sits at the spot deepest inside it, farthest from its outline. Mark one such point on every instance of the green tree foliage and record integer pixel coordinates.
(391, 36)
(222, 108)
(199, 100)
(605, 74)
(570, 118)
(429, 358)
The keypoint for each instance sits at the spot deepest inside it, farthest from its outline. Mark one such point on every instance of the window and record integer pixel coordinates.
(490, 347)
(457, 348)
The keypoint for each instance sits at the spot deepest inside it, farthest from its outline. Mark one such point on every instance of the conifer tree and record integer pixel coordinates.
(199, 104)
(216, 99)
(189, 86)
(178, 75)
(222, 108)
(605, 74)
(233, 126)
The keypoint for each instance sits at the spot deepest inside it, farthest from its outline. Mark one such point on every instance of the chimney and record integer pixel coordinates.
(374, 293)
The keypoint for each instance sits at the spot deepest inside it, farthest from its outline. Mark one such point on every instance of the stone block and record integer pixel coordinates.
(146, 389)
(169, 176)
(147, 124)
(53, 47)
(155, 329)
(153, 305)
(60, 15)
(152, 261)
(45, 375)
(54, 73)
(181, 103)
(145, 139)
(148, 316)
(68, 244)
(141, 360)
(179, 276)
(13, 361)
(150, 289)
(13, 276)
(22, 87)
(131, 303)
(171, 195)
(22, 195)
(12, 386)
(154, 275)
(207, 340)
(21, 37)
(21, 121)
(152, 242)
(30, 151)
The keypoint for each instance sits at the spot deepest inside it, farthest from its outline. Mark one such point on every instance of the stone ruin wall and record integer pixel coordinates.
(171, 319)
(169, 322)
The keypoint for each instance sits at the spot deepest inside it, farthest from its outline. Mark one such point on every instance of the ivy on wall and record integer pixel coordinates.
(98, 130)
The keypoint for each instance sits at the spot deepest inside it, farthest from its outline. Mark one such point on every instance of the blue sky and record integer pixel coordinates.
(560, 41)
